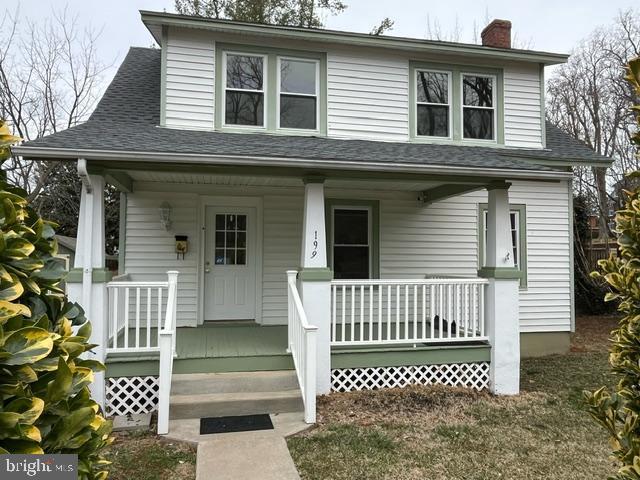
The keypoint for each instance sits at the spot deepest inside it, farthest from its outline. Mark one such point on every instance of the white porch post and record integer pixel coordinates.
(87, 280)
(501, 301)
(315, 277)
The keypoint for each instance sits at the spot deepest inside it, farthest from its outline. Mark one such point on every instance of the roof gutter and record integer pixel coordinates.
(39, 153)
(348, 38)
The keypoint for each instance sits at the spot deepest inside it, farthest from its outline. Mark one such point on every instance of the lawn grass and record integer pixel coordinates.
(145, 456)
(443, 433)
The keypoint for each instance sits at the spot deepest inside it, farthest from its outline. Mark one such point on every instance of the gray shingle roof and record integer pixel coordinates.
(126, 119)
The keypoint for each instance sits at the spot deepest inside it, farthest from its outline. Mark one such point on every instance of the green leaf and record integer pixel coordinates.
(9, 420)
(25, 447)
(27, 345)
(9, 310)
(18, 248)
(12, 291)
(61, 385)
(67, 427)
(85, 331)
(52, 270)
(29, 409)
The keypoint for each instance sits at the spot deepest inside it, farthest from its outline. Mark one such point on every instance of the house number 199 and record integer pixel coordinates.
(314, 252)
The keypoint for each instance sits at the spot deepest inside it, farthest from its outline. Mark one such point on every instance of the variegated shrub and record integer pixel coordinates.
(45, 403)
(619, 411)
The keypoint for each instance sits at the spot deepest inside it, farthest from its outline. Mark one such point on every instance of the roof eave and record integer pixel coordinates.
(42, 153)
(152, 19)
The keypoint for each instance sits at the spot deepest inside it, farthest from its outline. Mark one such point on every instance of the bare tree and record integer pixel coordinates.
(589, 99)
(458, 32)
(50, 80)
(383, 27)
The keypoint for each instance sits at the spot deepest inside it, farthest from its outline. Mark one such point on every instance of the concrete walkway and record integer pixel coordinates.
(261, 454)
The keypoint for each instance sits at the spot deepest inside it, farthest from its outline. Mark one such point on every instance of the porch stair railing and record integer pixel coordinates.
(302, 339)
(142, 320)
(387, 312)
(167, 352)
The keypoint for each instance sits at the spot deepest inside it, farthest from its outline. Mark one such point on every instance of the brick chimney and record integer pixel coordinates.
(497, 34)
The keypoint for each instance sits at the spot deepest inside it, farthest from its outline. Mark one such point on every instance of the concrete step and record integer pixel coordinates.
(234, 382)
(236, 403)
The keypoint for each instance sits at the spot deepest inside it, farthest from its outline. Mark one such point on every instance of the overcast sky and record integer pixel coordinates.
(550, 25)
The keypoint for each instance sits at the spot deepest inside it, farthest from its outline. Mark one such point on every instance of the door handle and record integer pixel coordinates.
(207, 267)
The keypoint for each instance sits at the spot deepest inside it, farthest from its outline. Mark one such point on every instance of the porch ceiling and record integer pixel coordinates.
(188, 178)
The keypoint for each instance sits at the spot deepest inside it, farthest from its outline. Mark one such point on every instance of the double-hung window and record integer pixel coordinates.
(478, 107)
(433, 109)
(245, 90)
(298, 94)
(351, 242)
(518, 225)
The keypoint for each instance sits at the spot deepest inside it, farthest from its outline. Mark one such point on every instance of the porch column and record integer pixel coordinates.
(501, 297)
(315, 277)
(86, 282)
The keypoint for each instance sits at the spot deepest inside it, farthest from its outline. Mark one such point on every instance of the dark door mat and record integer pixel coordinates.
(242, 423)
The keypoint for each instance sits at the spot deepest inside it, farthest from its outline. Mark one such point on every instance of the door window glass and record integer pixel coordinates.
(231, 239)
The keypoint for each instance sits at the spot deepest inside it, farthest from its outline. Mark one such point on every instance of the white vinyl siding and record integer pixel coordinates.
(150, 250)
(522, 107)
(414, 241)
(368, 96)
(189, 84)
(282, 233)
(367, 92)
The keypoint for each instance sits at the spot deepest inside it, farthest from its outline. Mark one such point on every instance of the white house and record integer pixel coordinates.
(347, 210)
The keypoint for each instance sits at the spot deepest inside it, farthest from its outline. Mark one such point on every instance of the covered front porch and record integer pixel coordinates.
(391, 314)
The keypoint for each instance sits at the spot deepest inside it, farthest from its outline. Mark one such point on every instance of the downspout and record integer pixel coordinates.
(83, 173)
(87, 233)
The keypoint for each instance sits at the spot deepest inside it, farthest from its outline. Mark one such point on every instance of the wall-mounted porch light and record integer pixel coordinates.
(165, 215)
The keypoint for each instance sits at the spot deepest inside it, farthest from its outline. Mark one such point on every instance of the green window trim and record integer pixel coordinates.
(374, 207)
(271, 88)
(522, 230)
(455, 101)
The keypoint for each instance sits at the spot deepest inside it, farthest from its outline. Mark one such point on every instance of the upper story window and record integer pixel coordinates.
(456, 103)
(268, 89)
(298, 94)
(433, 109)
(244, 90)
(478, 107)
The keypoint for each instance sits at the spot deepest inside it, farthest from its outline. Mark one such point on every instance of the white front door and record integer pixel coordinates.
(230, 263)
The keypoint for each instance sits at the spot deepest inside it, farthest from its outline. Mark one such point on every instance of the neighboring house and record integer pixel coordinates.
(66, 250)
(67, 253)
(369, 211)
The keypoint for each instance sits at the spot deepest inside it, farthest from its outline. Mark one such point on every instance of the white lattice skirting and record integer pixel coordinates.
(133, 395)
(470, 375)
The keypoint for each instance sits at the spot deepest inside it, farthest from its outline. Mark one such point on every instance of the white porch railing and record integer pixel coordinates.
(302, 339)
(378, 312)
(135, 315)
(136, 324)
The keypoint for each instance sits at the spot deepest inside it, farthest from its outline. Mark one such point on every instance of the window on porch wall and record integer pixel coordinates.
(351, 242)
(518, 222)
